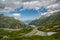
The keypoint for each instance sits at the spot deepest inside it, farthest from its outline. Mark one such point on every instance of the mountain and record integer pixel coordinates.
(47, 18)
(10, 22)
(27, 21)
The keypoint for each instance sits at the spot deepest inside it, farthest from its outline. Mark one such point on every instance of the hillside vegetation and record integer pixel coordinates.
(16, 35)
(10, 22)
(55, 27)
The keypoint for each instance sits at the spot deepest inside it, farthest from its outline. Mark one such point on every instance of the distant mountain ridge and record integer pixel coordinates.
(10, 22)
(46, 19)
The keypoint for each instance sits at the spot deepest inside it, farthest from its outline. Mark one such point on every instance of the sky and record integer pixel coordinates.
(28, 9)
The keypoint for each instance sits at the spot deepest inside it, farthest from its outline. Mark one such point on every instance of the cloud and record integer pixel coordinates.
(37, 4)
(46, 14)
(10, 5)
(31, 5)
(27, 4)
(16, 15)
(53, 7)
(2, 6)
(6, 9)
(16, 3)
(3, 0)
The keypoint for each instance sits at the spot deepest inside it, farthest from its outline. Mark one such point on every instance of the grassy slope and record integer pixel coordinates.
(55, 27)
(14, 35)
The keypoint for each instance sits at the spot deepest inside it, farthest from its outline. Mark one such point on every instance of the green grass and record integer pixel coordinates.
(14, 35)
(55, 27)
(33, 38)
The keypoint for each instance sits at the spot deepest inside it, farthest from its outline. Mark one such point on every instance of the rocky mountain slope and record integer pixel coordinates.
(10, 22)
(47, 19)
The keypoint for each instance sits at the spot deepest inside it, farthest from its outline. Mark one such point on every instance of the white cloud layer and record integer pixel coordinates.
(37, 4)
(32, 5)
(9, 5)
(53, 7)
(46, 14)
(16, 15)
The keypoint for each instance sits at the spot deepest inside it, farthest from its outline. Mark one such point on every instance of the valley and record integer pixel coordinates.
(46, 28)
